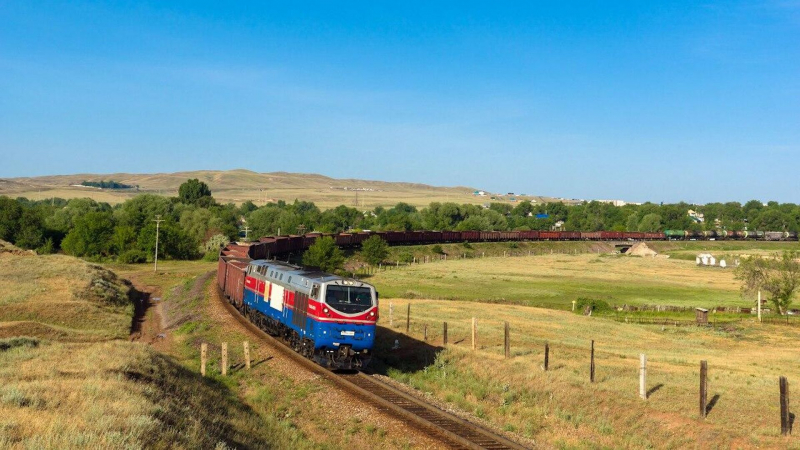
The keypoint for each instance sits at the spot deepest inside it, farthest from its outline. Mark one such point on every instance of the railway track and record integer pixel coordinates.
(448, 428)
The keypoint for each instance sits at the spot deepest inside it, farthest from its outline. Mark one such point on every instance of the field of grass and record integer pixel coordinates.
(560, 408)
(554, 281)
(729, 250)
(70, 379)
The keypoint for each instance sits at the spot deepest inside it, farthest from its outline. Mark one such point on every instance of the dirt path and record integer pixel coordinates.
(149, 325)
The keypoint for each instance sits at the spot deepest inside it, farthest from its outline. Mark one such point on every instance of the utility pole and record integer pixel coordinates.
(246, 230)
(158, 221)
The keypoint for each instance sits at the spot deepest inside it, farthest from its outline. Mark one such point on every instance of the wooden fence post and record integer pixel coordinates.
(507, 342)
(203, 358)
(703, 388)
(546, 355)
(408, 318)
(643, 376)
(786, 426)
(425, 333)
(391, 315)
(224, 358)
(246, 354)
(444, 334)
(474, 332)
(759, 306)
(591, 367)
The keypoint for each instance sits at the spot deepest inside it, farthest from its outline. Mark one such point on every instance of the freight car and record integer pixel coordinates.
(273, 246)
(324, 317)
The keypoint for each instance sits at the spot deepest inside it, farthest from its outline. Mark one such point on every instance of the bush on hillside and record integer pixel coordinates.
(597, 305)
(133, 257)
(406, 257)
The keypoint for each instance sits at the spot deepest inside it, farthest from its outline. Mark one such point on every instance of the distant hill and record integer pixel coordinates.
(240, 185)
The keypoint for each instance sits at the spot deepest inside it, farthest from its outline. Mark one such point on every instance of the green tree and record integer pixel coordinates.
(91, 235)
(124, 239)
(324, 254)
(139, 211)
(173, 241)
(30, 231)
(10, 213)
(632, 223)
(778, 277)
(651, 222)
(194, 191)
(374, 250)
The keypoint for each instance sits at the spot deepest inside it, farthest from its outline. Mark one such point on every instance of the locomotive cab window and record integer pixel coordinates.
(348, 299)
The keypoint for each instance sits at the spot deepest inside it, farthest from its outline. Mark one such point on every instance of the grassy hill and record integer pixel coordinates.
(71, 379)
(241, 185)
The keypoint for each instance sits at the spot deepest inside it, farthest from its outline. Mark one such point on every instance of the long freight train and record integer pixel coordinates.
(331, 319)
(274, 246)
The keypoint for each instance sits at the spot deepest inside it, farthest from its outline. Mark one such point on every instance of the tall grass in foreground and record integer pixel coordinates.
(118, 395)
(560, 407)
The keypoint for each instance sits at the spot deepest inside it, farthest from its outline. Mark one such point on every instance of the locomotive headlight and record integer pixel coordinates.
(325, 310)
(372, 313)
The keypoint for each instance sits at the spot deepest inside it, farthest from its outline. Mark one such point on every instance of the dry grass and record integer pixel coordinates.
(561, 408)
(63, 298)
(118, 395)
(67, 380)
(556, 280)
(241, 185)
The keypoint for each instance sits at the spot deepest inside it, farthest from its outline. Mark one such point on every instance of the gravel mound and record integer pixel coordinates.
(641, 249)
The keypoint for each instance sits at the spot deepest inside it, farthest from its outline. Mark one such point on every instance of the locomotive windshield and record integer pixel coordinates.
(348, 299)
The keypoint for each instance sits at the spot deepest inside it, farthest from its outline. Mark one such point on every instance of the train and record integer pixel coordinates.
(332, 319)
(324, 317)
(276, 246)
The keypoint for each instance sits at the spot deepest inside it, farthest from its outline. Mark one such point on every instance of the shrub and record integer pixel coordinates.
(215, 242)
(597, 305)
(133, 257)
(48, 248)
(466, 244)
(324, 254)
(211, 256)
(22, 341)
(374, 250)
(437, 249)
(406, 257)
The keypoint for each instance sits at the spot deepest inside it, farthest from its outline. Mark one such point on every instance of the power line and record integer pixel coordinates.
(158, 221)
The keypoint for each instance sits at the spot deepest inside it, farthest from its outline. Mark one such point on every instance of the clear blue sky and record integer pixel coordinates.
(644, 100)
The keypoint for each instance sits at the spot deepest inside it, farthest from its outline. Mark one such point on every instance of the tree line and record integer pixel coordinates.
(111, 184)
(195, 224)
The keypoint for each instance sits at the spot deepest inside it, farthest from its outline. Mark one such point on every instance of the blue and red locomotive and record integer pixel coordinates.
(324, 317)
